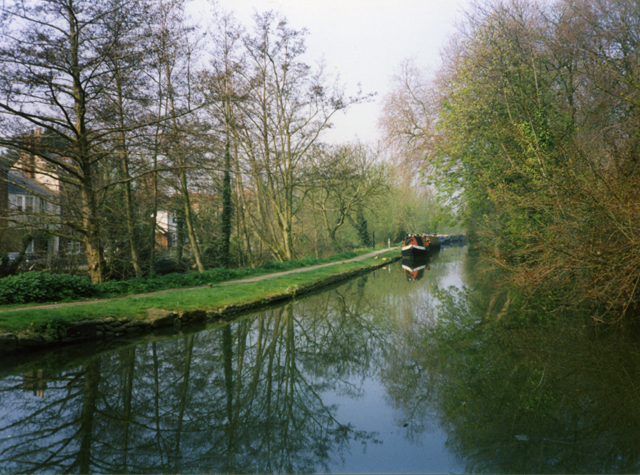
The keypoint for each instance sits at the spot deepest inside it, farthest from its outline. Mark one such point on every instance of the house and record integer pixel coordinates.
(167, 229)
(31, 204)
(29, 196)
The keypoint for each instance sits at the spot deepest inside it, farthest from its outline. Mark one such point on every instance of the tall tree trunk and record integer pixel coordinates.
(188, 217)
(186, 200)
(154, 211)
(227, 209)
(93, 243)
(156, 151)
(180, 233)
(126, 176)
(130, 213)
(90, 222)
(242, 228)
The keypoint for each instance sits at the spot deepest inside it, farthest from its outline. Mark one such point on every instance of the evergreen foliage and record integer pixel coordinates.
(44, 287)
(227, 211)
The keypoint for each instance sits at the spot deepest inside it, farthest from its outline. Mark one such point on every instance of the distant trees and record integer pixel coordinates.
(408, 119)
(409, 123)
(344, 182)
(530, 130)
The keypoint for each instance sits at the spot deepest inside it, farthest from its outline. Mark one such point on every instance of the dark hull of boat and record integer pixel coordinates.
(415, 252)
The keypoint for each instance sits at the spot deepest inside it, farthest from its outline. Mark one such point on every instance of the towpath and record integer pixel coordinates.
(227, 282)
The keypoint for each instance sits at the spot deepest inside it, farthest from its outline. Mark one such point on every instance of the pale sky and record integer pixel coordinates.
(365, 41)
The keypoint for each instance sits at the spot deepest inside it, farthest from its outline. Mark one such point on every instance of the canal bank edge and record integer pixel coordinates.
(110, 328)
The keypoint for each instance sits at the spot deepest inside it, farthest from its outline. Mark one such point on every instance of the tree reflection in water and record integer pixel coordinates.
(245, 398)
(505, 387)
(518, 391)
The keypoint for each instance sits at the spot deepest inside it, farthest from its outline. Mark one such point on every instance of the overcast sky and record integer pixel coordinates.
(365, 41)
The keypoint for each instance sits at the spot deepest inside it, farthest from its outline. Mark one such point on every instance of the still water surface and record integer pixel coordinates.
(385, 374)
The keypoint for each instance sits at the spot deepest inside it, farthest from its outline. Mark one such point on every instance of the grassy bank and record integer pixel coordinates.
(42, 287)
(204, 298)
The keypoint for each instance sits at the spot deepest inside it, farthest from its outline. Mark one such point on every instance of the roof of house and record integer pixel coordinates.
(19, 183)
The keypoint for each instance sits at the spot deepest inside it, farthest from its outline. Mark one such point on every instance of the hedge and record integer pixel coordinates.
(44, 287)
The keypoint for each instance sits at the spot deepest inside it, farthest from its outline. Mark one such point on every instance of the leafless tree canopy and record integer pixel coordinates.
(156, 135)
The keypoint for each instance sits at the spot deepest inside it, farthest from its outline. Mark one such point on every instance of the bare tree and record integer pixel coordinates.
(124, 106)
(408, 119)
(344, 182)
(224, 90)
(290, 104)
(54, 74)
(176, 49)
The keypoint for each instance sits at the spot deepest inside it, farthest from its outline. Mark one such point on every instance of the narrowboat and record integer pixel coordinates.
(434, 241)
(415, 247)
(445, 238)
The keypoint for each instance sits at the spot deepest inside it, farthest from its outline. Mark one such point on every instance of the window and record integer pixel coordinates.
(74, 247)
(29, 204)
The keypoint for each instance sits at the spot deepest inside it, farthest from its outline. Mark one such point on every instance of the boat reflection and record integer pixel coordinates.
(414, 268)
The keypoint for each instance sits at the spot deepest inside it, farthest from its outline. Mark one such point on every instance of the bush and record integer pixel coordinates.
(44, 287)
(167, 265)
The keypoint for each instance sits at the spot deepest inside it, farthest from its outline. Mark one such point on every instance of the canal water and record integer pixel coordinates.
(394, 372)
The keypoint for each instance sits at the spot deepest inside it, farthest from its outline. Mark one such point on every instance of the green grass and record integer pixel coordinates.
(192, 279)
(185, 299)
(36, 288)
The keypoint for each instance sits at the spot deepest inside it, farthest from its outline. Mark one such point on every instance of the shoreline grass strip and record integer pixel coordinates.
(206, 298)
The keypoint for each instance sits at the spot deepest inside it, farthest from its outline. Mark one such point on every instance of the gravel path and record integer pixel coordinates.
(229, 282)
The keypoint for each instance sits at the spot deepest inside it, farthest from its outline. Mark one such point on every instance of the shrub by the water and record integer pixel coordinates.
(44, 287)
